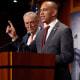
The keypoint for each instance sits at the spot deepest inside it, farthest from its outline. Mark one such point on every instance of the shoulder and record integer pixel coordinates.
(24, 36)
(63, 27)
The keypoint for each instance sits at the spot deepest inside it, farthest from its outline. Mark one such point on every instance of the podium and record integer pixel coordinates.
(26, 66)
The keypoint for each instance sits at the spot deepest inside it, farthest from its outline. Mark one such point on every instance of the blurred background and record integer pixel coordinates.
(14, 9)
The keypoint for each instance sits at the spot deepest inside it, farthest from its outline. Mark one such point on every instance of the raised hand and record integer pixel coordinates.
(11, 31)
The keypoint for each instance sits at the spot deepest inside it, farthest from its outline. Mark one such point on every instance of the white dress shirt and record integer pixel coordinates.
(52, 24)
(38, 29)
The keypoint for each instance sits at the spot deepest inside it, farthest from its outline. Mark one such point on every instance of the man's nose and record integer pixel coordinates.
(41, 12)
(29, 25)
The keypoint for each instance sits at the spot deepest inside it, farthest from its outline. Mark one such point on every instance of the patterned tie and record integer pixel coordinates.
(45, 33)
(31, 38)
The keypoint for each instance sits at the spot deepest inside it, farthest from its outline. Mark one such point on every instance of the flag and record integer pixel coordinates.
(34, 7)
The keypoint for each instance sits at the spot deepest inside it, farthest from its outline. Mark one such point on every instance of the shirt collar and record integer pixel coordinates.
(52, 24)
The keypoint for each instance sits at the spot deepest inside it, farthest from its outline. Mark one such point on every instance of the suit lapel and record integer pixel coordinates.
(51, 34)
(26, 37)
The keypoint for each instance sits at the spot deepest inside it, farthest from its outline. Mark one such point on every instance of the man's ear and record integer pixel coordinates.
(54, 13)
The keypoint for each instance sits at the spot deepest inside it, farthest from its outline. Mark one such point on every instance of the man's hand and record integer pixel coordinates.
(11, 31)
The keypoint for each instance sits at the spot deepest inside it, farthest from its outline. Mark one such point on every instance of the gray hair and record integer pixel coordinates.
(31, 13)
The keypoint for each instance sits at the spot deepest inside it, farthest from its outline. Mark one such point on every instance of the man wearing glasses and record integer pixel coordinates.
(31, 24)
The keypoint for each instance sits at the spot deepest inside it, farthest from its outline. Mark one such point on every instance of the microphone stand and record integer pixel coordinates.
(6, 45)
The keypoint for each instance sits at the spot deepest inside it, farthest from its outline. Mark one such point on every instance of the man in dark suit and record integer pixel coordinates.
(58, 40)
(31, 24)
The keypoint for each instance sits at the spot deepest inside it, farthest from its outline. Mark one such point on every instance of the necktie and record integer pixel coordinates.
(45, 33)
(31, 38)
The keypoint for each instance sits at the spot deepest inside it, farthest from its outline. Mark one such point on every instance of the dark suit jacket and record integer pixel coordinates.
(26, 36)
(59, 42)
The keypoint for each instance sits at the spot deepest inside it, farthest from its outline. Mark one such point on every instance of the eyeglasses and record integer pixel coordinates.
(30, 23)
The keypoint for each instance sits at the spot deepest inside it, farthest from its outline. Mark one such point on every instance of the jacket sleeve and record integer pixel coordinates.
(22, 47)
(66, 47)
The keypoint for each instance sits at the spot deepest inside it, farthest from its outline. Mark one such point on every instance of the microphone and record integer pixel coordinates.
(6, 45)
